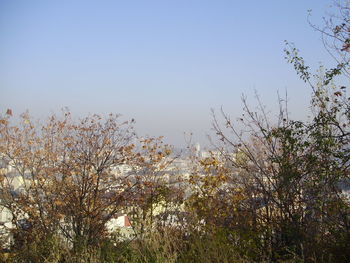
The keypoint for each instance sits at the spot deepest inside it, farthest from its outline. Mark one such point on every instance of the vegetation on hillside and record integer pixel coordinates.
(276, 190)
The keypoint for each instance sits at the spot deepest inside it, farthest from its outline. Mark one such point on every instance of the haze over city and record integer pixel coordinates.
(163, 63)
(174, 131)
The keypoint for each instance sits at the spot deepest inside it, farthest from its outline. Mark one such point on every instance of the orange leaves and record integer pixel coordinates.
(84, 171)
(149, 184)
(107, 141)
(210, 161)
(167, 151)
(67, 166)
(58, 202)
(3, 121)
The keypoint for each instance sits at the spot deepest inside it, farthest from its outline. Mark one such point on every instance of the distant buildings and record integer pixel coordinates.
(173, 174)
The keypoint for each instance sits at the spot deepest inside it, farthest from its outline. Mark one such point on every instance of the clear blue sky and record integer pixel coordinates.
(164, 63)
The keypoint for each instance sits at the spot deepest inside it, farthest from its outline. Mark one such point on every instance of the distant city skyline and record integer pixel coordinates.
(164, 63)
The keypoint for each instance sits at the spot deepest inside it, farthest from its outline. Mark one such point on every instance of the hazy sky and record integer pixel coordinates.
(164, 63)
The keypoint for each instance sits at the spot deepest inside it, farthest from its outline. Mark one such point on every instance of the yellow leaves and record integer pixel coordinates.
(107, 141)
(222, 177)
(58, 202)
(71, 166)
(3, 121)
(193, 179)
(210, 161)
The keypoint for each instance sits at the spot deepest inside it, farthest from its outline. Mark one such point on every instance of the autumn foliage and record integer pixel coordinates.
(271, 189)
